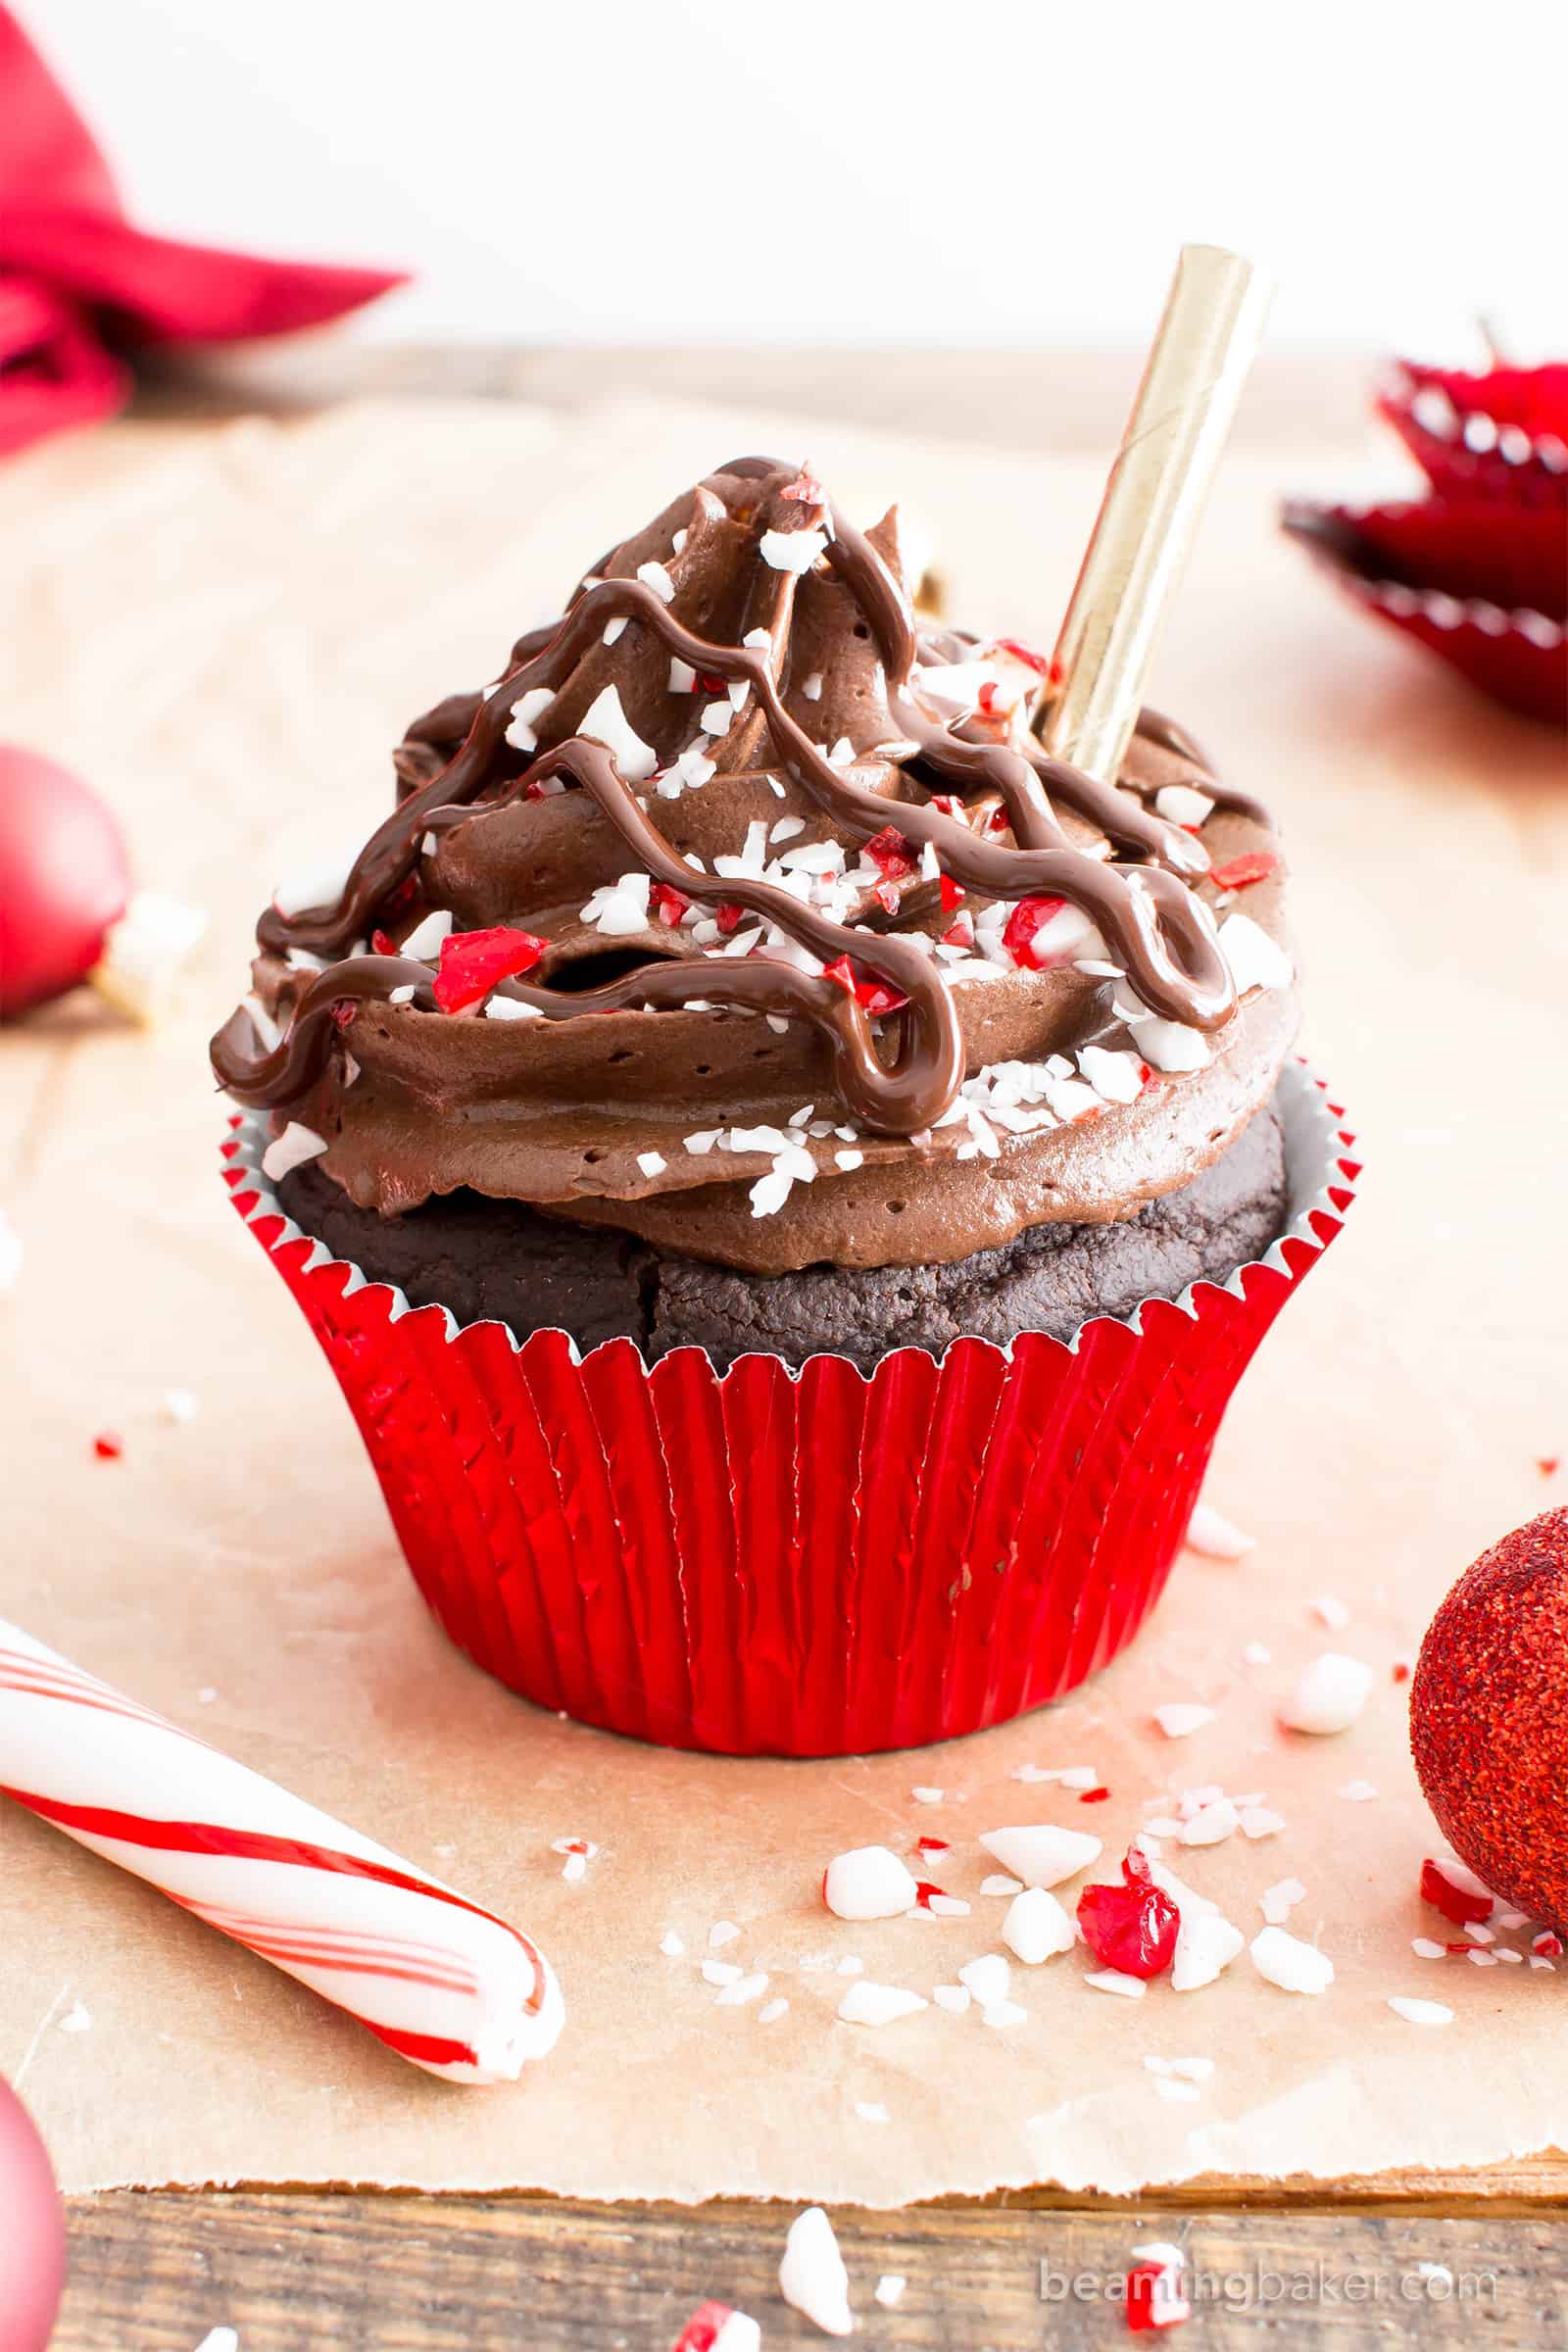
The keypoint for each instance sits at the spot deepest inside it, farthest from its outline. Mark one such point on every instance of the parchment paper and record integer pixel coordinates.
(227, 627)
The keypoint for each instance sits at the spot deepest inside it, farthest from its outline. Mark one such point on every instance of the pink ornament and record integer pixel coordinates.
(32, 2232)
(439, 1981)
(64, 880)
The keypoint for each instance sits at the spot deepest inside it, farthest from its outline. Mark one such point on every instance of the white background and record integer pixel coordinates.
(851, 170)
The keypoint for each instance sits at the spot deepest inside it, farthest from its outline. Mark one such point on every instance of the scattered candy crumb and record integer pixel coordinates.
(1211, 1532)
(868, 1882)
(1328, 1695)
(811, 2277)
(1180, 1718)
(1420, 2013)
(716, 2328)
(107, 1445)
(76, 2020)
(889, 2292)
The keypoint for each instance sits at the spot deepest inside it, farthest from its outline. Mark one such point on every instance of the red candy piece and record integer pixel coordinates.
(896, 855)
(704, 2328)
(806, 489)
(1153, 2299)
(1029, 917)
(1255, 866)
(1455, 1903)
(472, 962)
(669, 902)
(108, 1446)
(1093, 1797)
(953, 894)
(886, 894)
(1132, 1926)
(877, 996)
(1023, 653)
(64, 880)
(728, 916)
(382, 943)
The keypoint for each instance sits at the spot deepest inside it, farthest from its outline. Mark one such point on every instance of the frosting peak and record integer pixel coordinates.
(761, 829)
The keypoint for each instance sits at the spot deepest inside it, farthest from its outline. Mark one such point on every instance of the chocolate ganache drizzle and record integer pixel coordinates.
(750, 667)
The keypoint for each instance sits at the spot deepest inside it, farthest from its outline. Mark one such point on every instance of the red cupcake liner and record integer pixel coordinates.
(764, 1562)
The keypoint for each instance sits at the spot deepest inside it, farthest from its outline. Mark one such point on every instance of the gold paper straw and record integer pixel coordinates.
(1207, 339)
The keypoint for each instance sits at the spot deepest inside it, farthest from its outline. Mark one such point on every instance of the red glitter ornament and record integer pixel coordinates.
(474, 961)
(1476, 570)
(1132, 1926)
(1489, 1718)
(64, 880)
(32, 2232)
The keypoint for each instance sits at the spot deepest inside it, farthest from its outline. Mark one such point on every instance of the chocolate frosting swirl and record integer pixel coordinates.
(583, 762)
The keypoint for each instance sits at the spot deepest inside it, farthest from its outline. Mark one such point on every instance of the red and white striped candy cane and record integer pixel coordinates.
(436, 1979)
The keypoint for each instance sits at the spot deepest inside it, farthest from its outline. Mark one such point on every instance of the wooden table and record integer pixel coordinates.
(1299, 2265)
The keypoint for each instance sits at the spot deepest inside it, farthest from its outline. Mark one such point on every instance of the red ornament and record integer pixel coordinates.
(1489, 1718)
(64, 880)
(1132, 1926)
(1477, 571)
(32, 2232)
(474, 961)
(1028, 917)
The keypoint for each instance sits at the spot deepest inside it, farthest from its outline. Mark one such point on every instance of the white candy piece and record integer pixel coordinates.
(869, 2004)
(607, 723)
(1114, 1980)
(1277, 1902)
(890, 2289)
(956, 1998)
(12, 1254)
(1037, 1927)
(811, 2277)
(791, 551)
(525, 710)
(1329, 1694)
(1210, 1825)
(1255, 960)
(424, 942)
(1206, 1944)
(1183, 805)
(1002, 2014)
(1420, 2013)
(987, 1978)
(1211, 1532)
(1180, 1718)
(1040, 1853)
(868, 1882)
(291, 1149)
(1293, 1966)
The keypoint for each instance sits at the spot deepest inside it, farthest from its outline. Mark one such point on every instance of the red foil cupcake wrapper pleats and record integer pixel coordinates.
(812, 1563)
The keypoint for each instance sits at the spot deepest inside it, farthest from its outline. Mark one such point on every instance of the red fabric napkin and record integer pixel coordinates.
(79, 285)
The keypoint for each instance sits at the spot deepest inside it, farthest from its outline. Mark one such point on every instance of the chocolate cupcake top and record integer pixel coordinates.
(745, 914)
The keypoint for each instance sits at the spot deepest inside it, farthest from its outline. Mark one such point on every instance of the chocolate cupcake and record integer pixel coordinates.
(740, 1007)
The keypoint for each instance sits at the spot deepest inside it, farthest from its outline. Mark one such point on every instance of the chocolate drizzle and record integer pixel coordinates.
(1156, 927)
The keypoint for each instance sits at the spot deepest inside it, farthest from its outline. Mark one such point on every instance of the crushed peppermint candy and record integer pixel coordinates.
(605, 721)
(290, 1150)
(1295, 1967)
(1277, 1902)
(986, 1978)
(868, 1882)
(870, 2005)
(1420, 2013)
(670, 1944)
(1040, 1853)
(1255, 866)
(1329, 1695)
(791, 551)
(1183, 805)
(1206, 1947)
(1037, 1927)
(1331, 1612)
(717, 2327)
(1454, 1890)
(1211, 1532)
(811, 2277)
(1118, 1980)
(655, 578)
(889, 2289)
(1157, 2297)
(1179, 1719)
(1131, 1928)
(473, 962)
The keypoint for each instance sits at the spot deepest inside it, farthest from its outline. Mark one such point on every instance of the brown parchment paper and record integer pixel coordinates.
(227, 627)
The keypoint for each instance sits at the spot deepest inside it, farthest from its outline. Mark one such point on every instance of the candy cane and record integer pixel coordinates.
(436, 1979)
